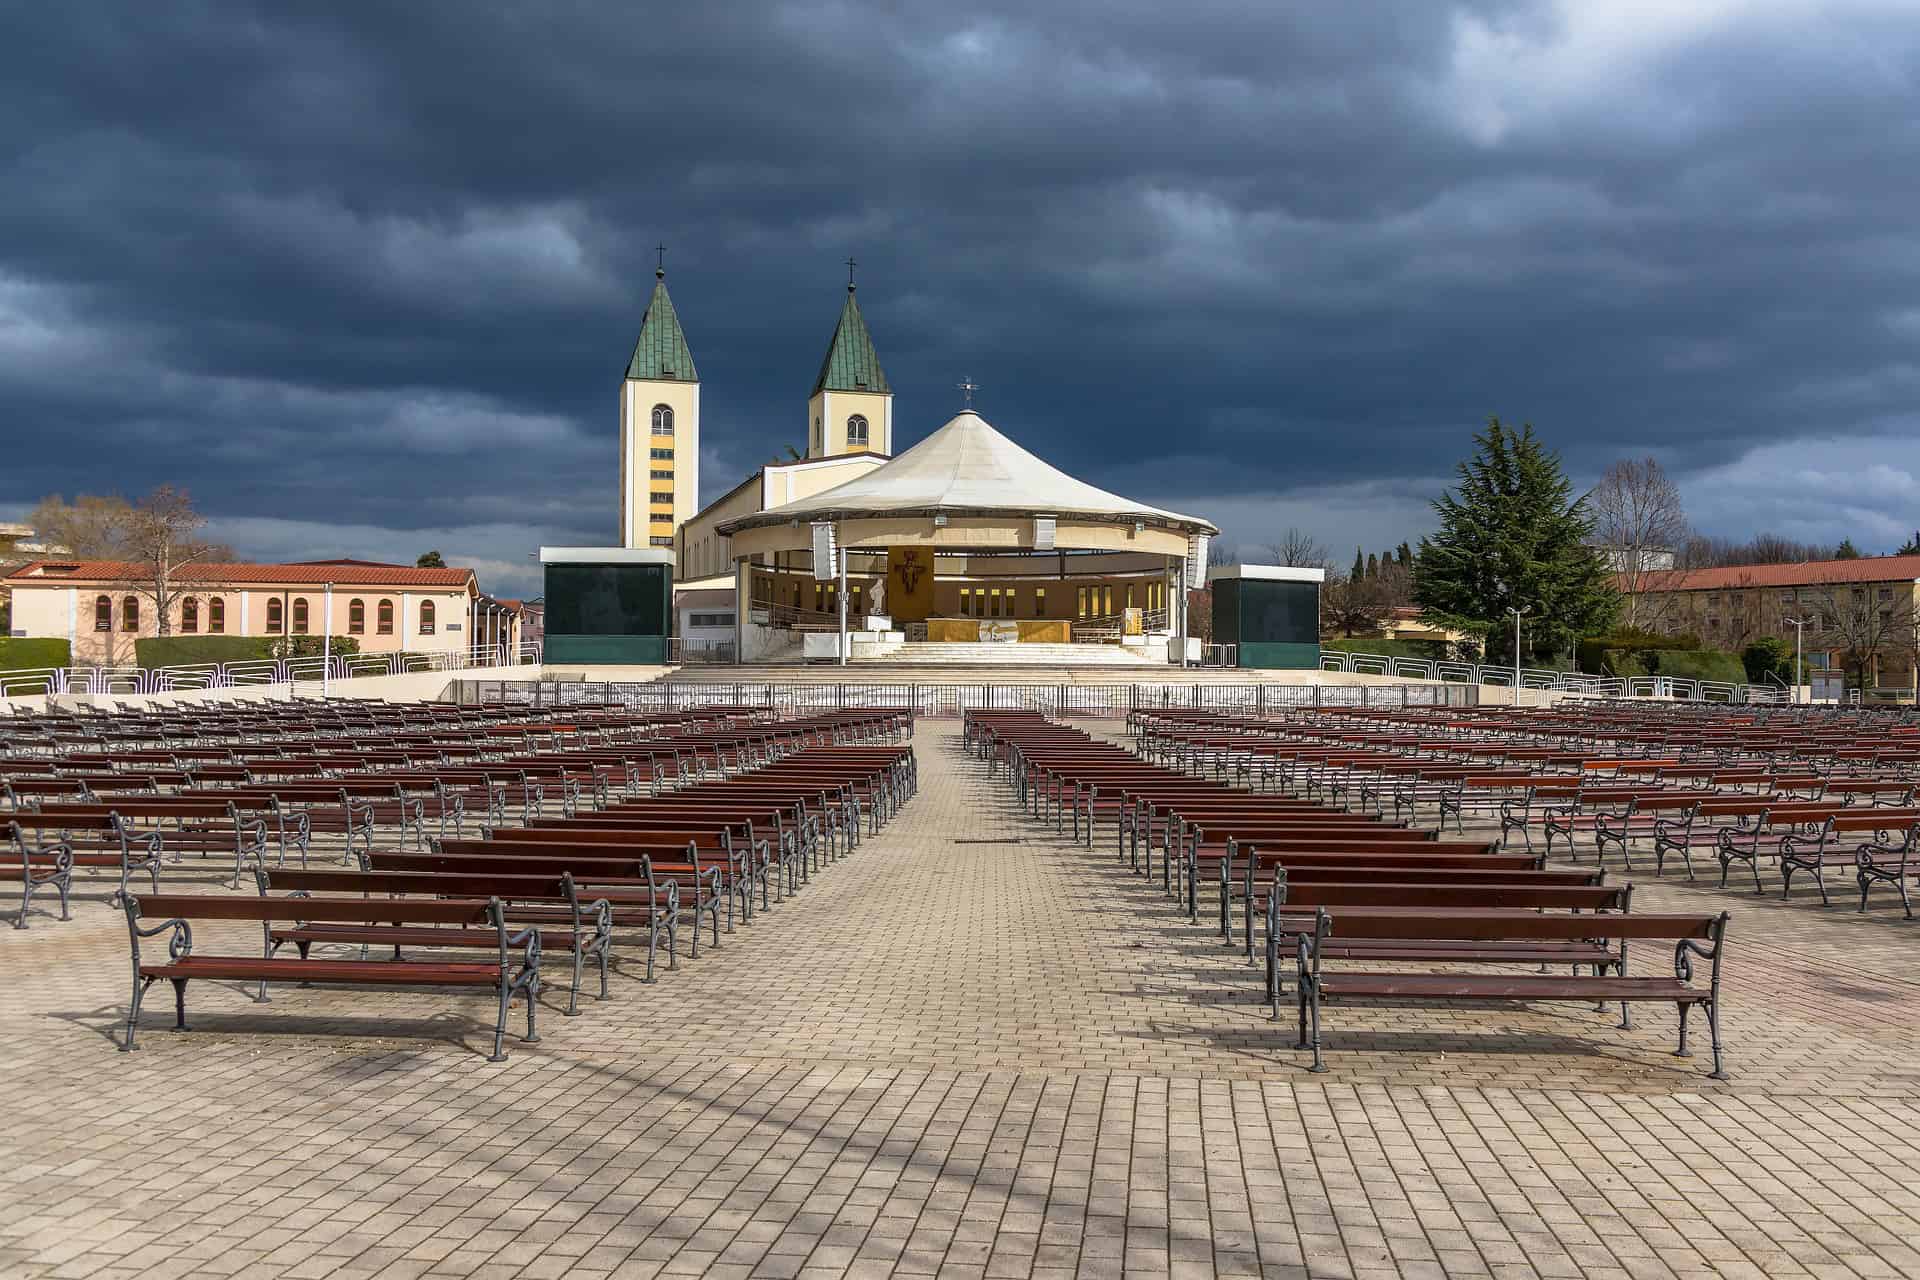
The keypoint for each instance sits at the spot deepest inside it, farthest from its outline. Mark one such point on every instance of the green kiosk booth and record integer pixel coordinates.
(1269, 612)
(608, 606)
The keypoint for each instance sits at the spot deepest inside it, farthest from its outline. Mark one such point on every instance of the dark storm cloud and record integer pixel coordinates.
(380, 266)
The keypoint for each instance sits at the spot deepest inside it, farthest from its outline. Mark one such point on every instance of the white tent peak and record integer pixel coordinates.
(967, 467)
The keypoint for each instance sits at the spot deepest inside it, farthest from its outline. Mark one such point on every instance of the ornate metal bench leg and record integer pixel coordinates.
(500, 1024)
(653, 945)
(1719, 1072)
(579, 962)
(179, 1004)
(140, 986)
(1681, 1050)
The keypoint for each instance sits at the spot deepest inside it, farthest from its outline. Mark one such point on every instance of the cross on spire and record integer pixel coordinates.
(851, 264)
(660, 262)
(967, 386)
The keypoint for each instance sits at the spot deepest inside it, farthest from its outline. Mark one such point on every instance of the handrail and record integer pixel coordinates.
(256, 673)
(1677, 688)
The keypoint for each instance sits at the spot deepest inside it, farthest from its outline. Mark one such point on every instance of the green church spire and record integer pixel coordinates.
(661, 353)
(851, 363)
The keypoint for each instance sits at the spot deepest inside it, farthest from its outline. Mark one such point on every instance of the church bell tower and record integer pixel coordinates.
(659, 427)
(851, 408)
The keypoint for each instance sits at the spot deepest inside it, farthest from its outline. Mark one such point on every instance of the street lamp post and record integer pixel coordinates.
(326, 644)
(1799, 626)
(1517, 615)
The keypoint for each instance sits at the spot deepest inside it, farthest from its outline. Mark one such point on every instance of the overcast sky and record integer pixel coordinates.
(365, 277)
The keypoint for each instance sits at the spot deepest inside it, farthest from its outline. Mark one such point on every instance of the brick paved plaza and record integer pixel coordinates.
(971, 1049)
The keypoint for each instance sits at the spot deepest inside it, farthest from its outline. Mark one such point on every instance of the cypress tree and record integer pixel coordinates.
(1373, 565)
(1512, 535)
(1359, 567)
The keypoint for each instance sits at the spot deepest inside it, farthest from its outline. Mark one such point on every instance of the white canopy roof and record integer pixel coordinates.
(967, 468)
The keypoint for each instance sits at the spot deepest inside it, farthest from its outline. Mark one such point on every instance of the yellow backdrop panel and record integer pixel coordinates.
(953, 630)
(1045, 630)
(910, 584)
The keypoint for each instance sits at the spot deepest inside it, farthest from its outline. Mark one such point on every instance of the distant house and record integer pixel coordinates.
(1867, 603)
(103, 606)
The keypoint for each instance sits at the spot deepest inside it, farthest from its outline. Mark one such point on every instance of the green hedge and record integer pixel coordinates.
(1425, 649)
(17, 654)
(1593, 650)
(1703, 664)
(180, 651)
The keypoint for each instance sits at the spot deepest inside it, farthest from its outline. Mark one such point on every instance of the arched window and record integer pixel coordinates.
(130, 614)
(299, 617)
(662, 420)
(102, 614)
(357, 618)
(426, 617)
(857, 432)
(216, 615)
(383, 617)
(189, 614)
(275, 619)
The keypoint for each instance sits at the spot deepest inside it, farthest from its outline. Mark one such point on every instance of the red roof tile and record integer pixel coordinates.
(319, 574)
(1806, 573)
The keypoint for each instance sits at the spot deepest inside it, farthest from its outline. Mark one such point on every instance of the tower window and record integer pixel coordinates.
(857, 431)
(662, 420)
(663, 455)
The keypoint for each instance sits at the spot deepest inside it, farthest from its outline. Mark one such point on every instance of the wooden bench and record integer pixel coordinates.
(1694, 937)
(515, 970)
(107, 843)
(1544, 891)
(1882, 861)
(567, 925)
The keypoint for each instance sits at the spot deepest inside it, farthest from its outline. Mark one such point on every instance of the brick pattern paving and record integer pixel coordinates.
(972, 1049)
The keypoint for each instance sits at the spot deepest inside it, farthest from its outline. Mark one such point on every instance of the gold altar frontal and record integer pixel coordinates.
(1024, 630)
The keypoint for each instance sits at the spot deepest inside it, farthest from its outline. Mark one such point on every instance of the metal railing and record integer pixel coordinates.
(255, 673)
(1678, 688)
(1097, 701)
(696, 651)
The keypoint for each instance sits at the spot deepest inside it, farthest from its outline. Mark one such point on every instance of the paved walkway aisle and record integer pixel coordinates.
(972, 1049)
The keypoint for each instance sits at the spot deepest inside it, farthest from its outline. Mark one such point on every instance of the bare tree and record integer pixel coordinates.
(162, 538)
(160, 533)
(1298, 548)
(1866, 621)
(90, 528)
(1362, 605)
(1642, 528)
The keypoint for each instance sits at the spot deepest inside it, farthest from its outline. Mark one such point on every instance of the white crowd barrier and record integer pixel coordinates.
(1674, 687)
(238, 675)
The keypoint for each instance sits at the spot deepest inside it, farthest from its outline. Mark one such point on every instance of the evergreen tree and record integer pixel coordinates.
(1512, 535)
(1911, 547)
(1404, 554)
(1373, 565)
(1846, 550)
(1359, 567)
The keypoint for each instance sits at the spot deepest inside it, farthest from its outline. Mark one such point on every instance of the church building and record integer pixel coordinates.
(849, 433)
(659, 428)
